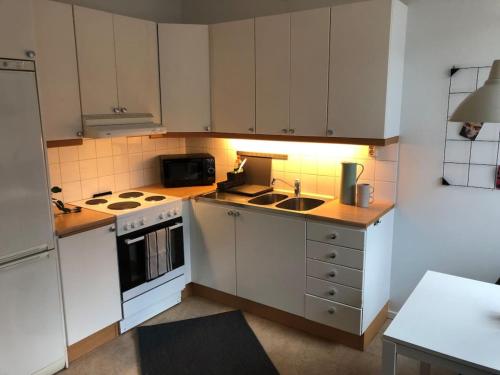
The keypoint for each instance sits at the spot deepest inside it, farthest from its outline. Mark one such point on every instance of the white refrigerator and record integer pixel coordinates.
(32, 337)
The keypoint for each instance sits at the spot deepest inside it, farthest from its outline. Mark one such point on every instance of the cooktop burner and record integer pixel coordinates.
(155, 198)
(131, 194)
(127, 205)
(93, 202)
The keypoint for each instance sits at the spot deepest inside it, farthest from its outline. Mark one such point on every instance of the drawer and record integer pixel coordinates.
(334, 292)
(333, 314)
(343, 256)
(335, 273)
(336, 235)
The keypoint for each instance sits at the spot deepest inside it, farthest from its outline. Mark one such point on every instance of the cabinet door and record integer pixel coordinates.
(213, 256)
(185, 77)
(270, 260)
(57, 71)
(90, 282)
(136, 49)
(233, 77)
(310, 34)
(358, 69)
(272, 79)
(96, 60)
(16, 29)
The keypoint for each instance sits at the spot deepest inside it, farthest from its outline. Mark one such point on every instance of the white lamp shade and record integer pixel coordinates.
(482, 105)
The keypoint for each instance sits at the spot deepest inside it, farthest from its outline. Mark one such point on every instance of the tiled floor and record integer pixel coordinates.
(292, 352)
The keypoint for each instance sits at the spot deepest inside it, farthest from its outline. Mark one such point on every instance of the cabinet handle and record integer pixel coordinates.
(292, 131)
(112, 229)
(116, 110)
(333, 236)
(332, 274)
(284, 131)
(331, 311)
(251, 130)
(124, 110)
(333, 256)
(79, 134)
(230, 213)
(206, 128)
(329, 132)
(331, 292)
(377, 222)
(31, 54)
(236, 213)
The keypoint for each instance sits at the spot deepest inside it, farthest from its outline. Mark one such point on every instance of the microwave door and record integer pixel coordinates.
(176, 246)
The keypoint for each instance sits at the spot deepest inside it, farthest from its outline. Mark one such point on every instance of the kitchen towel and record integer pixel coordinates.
(161, 242)
(221, 344)
(151, 256)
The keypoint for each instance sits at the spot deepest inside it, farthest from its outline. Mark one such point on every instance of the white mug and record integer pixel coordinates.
(364, 195)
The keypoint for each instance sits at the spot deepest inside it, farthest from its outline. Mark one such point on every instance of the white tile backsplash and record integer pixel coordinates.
(317, 165)
(484, 153)
(114, 164)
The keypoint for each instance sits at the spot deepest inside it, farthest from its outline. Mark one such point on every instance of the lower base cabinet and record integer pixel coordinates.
(331, 274)
(90, 282)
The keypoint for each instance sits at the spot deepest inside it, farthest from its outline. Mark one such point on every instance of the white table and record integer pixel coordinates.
(447, 321)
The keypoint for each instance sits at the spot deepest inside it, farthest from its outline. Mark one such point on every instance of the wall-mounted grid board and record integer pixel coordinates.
(469, 163)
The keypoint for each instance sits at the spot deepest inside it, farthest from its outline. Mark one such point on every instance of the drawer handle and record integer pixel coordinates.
(333, 256)
(333, 236)
(331, 311)
(332, 292)
(332, 274)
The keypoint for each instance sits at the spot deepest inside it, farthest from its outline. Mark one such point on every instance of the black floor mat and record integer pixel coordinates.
(213, 345)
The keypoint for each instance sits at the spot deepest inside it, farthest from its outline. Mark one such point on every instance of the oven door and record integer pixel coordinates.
(150, 257)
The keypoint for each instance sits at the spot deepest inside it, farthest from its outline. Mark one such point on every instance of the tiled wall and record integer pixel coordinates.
(108, 164)
(317, 165)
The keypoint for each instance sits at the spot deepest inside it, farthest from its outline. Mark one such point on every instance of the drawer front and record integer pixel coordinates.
(336, 235)
(335, 254)
(335, 273)
(334, 292)
(333, 314)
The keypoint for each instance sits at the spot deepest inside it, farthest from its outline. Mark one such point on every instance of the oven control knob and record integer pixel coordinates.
(176, 212)
(126, 226)
(143, 221)
(169, 213)
(132, 224)
(161, 216)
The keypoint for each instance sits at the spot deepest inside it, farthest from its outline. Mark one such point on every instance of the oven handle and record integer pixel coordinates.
(175, 226)
(134, 240)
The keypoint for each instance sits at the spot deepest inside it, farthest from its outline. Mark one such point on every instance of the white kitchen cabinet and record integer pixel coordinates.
(272, 74)
(185, 77)
(136, 48)
(17, 29)
(57, 70)
(213, 256)
(96, 60)
(118, 63)
(366, 69)
(233, 77)
(310, 35)
(90, 282)
(270, 263)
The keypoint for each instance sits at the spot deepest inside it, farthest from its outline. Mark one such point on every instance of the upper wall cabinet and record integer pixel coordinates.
(16, 29)
(366, 69)
(310, 35)
(185, 77)
(57, 71)
(118, 63)
(272, 79)
(233, 77)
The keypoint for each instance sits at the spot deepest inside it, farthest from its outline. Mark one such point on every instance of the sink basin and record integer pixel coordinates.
(300, 204)
(267, 199)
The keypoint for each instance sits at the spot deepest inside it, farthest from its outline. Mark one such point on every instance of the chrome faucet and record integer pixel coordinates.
(296, 186)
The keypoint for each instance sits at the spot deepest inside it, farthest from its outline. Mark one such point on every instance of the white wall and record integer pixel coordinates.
(154, 10)
(447, 229)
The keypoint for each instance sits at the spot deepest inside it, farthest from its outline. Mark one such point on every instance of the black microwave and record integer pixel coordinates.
(187, 170)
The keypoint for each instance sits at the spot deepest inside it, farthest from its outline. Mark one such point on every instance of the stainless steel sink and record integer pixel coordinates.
(267, 199)
(300, 204)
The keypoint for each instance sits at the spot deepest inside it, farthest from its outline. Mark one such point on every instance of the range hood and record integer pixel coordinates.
(129, 124)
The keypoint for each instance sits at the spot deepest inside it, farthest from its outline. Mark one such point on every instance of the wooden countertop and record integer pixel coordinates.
(185, 193)
(350, 215)
(73, 223)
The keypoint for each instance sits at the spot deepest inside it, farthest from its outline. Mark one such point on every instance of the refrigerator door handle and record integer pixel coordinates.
(23, 261)
(24, 254)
